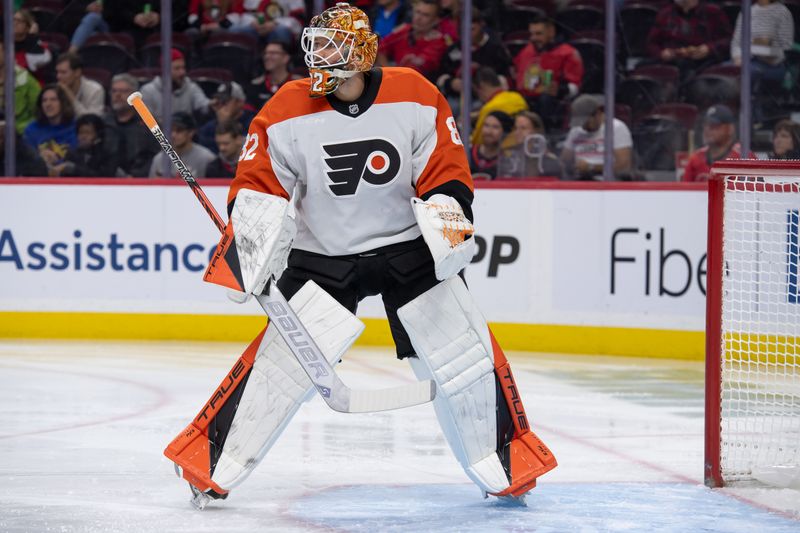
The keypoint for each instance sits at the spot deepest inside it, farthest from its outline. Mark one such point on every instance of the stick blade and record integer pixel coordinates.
(370, 401)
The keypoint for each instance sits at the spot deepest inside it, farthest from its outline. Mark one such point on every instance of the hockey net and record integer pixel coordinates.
(753, 324)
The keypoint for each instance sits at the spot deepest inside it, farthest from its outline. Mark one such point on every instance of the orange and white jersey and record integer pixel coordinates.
(351, 168)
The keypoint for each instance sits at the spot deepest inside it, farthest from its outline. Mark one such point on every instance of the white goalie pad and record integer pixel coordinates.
(277, 384)
(264, 232)
(447, 232)
(453, 347)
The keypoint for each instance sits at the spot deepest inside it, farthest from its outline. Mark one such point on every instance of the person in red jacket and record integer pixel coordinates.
(690, 34)
(547, 72)
(719, 133)
(418, 45)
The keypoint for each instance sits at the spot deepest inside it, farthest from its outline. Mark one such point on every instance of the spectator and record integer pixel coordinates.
(772, 33)
(418, 45)
(126, 134)
(584, 148)
(28, 162)
(139, 18)
(91, 158)
(229, 141)
(273, 19)
(194, 156)
(450, 20)
(547, 73)
(487, 51)
(211, 16)
(87, 96)
(277, 20)
(785, 140)
(483, 156)
(275, 58)
(52, 134)
(26, 91)
(30, 52)
(719, 134)
(529, 156)
(387, 15)
(228, 104)
(92, 22)
(187, 96)
(691, 34)
(490, 91)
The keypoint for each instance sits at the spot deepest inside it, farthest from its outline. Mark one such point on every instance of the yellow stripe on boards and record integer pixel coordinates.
(522, 337)
(130, 326)
(741, 347)
(638, 342)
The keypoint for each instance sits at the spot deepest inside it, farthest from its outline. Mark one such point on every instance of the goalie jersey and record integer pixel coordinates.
(351, 168)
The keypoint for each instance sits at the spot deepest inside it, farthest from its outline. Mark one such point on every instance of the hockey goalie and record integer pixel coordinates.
(374, 166)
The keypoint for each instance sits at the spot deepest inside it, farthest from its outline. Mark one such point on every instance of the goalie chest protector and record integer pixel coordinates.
(352, 167)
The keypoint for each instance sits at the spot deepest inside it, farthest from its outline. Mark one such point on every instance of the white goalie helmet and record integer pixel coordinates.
(337, 44)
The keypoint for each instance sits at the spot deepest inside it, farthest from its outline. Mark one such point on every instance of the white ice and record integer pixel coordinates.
(83, 426)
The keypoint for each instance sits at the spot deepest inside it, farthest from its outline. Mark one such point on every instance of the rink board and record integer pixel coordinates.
(581, 268)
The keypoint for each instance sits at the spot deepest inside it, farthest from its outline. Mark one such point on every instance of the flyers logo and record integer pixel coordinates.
(375, 161)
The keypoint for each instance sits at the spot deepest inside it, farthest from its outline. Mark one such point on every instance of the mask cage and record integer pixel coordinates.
(326, 47)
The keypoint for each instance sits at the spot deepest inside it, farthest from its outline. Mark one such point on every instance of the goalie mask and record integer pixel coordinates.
(337, 44)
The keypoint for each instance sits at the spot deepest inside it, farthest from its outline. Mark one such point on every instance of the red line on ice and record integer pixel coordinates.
(162, 398)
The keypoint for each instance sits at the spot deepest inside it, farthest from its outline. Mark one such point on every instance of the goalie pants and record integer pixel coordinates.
(398, 272)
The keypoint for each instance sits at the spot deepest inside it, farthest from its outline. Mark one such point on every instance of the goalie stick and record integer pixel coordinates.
(332, 389)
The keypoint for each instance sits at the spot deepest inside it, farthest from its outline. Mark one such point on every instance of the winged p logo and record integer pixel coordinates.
(376, 161)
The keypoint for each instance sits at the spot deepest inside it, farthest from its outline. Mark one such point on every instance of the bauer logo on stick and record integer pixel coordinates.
(305, 349)
(376, 161)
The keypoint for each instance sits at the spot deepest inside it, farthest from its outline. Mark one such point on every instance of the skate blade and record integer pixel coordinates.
(199, 499)
(512, 501)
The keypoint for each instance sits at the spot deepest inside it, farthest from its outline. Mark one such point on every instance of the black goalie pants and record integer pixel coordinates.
(398, 272)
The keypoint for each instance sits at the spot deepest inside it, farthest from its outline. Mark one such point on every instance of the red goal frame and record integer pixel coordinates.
(713, 378)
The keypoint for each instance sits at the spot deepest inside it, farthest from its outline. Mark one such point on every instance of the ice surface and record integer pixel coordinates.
(84, 425)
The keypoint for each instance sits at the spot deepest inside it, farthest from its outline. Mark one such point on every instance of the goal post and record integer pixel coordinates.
(752, 424)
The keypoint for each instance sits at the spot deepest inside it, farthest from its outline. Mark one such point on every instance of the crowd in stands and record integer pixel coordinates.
(537, 70)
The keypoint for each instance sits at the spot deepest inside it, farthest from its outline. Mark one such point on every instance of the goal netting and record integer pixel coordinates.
(753, 324)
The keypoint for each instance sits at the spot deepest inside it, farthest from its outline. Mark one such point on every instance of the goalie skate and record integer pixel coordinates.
(511, 501)
(199, 499)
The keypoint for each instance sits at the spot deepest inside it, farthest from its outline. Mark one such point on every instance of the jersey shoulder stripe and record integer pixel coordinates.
(291, 101)
(403, 84)
(399, 84)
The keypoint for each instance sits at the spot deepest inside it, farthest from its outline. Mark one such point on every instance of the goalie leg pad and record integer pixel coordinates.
(222, 447)
(477, 402)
